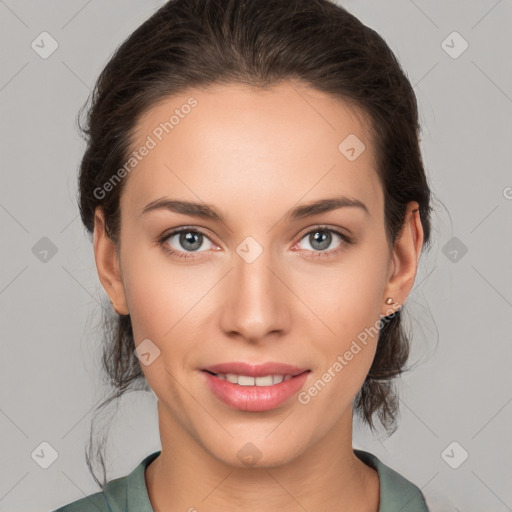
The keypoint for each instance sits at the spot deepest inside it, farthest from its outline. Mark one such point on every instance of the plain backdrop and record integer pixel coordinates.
(454, 435)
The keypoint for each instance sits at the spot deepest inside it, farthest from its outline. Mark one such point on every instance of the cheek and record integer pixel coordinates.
(158, 295)
(347, 301)
(167, 306)
(345, 364)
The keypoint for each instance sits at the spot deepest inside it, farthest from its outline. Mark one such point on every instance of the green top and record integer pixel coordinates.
(129, 493)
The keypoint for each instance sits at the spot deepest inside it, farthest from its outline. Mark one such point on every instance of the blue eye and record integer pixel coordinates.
(189, 241)
(320, 238)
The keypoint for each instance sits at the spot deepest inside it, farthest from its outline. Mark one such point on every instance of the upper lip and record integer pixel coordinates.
(256, 370)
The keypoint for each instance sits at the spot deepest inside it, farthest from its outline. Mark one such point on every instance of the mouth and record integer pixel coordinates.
(255, 393)
(245, 369)
(260, 381)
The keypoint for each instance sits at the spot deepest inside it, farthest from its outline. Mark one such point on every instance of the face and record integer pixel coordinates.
(261, 279)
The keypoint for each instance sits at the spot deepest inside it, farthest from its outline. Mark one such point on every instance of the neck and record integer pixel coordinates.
(327, 476)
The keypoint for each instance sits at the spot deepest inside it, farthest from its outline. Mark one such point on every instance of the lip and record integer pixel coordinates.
(256, 370)
(255, 398)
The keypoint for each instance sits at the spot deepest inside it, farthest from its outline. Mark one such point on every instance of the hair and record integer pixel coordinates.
(195, 43)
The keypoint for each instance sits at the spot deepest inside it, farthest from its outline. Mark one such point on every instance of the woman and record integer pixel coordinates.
(254, 186)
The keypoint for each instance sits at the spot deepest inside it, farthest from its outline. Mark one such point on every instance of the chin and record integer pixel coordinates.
(258, 451)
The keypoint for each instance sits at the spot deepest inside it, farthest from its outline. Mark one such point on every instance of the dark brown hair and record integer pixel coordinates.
(194, 43)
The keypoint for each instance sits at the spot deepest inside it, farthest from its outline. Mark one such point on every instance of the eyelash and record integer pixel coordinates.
(347, 241)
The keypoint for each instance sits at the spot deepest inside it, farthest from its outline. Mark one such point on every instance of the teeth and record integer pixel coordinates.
(245, 380)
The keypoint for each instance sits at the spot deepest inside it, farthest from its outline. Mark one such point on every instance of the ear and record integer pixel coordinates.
(107, 264)
(405, 258)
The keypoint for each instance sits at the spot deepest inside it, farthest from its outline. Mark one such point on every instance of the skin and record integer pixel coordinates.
(254, 155)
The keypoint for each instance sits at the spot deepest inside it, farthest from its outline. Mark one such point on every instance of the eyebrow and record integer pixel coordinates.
(205, 211)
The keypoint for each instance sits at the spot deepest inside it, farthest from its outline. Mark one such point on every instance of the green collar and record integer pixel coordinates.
(397, 494)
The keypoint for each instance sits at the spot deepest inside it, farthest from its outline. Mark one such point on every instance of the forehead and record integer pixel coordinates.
(228, 143)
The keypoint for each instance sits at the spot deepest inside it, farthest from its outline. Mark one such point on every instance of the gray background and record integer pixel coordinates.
(460, 308)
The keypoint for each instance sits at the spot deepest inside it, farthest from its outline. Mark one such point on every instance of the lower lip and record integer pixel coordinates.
(254, 398)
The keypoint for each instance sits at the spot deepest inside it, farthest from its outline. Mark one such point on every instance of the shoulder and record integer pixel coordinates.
(127, 493)
(396, 492)
(113, 495)
(94, 502)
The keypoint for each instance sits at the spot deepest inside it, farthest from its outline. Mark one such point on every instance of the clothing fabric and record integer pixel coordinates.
(129, 493)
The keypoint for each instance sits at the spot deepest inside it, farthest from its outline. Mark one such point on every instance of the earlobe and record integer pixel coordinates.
(107, 264)
(406, 255)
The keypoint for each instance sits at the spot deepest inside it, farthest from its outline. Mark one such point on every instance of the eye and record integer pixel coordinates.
(183, 240)
(321, 238)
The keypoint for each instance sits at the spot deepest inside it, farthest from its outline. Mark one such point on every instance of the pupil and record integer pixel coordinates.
(324, 239)
(191, 238)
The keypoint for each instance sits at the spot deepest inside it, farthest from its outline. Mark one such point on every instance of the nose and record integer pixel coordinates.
(256, 303)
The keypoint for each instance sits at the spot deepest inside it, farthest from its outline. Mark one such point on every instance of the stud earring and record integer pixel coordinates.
(390, 301)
